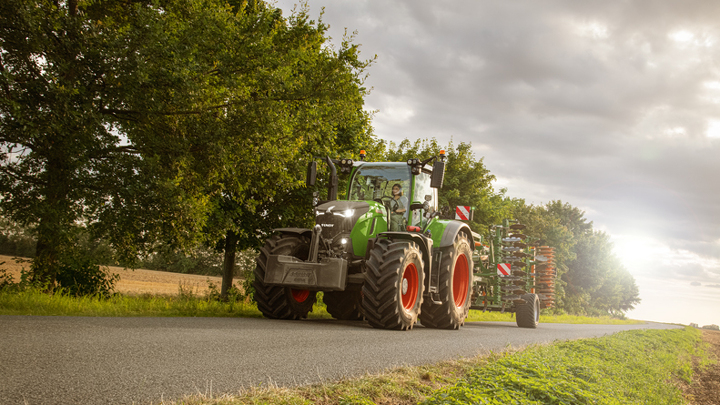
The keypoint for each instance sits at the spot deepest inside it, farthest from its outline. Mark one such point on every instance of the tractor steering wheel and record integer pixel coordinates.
(385, 200)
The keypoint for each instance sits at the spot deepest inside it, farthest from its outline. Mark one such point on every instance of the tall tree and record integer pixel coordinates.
(297, 97)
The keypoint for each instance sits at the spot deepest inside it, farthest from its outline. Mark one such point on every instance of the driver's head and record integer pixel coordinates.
(397, 189)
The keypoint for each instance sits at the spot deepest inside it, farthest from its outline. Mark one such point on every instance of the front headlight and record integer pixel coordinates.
(347, 213)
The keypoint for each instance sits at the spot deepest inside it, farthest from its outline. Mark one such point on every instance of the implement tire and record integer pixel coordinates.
(456, 280)
(278, 302)
(393, 289)
(344, 305)
(528, 313)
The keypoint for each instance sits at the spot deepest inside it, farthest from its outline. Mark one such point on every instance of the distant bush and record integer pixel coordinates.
(80, 276)
(200, 260)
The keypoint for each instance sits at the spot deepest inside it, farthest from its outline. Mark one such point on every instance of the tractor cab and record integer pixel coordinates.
(375, 182)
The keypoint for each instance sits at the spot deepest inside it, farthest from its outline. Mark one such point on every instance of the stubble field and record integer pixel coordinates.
(139, 281)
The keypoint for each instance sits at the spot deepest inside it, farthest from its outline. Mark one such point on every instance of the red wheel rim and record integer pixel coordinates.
(300, 295)
(461, 281)
(409, 287)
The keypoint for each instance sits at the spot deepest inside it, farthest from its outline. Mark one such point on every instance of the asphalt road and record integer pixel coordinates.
(73, 360)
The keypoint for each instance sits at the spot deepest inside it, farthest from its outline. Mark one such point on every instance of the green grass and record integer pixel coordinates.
(630, 367)
(34, 302)
(479, 316)
(642, 366)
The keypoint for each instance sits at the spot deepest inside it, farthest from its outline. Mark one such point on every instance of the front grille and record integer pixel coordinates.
(333, 225)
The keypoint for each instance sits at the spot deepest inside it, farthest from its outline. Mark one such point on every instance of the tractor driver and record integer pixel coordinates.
(397, 209)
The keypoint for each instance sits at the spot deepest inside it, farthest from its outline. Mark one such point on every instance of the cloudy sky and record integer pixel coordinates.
(613, 107)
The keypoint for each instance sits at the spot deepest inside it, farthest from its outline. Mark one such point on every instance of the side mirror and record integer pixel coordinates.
(311, 174)
(438, 175)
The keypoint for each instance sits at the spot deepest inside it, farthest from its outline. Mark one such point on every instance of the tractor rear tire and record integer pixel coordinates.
(278, 302)
(456, 280)
(344, 305)
(528, 313)
(393, 289)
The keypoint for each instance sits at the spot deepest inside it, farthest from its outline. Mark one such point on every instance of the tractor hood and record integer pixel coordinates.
(351, 210)
(337, 218)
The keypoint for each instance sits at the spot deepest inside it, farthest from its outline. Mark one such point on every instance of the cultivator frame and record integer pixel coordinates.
(509, 270)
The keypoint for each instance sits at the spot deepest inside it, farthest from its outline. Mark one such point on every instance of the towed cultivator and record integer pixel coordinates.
(383, 254)
(513, 276)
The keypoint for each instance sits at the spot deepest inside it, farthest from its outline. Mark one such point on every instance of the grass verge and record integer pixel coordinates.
(34, 302)
(641, 366)
(479, 316)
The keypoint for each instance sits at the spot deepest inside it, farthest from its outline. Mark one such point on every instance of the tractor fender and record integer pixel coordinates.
(294, 231)
(452, 229)
(423, 242)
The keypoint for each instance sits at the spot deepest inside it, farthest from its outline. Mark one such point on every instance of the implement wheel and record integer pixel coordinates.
(393, 289)
(278, 302)
(456, 279)
(528, 313)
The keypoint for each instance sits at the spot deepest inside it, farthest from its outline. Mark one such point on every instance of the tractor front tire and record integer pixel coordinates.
(528, 313)
(393, 289)
(278, 302)
(344, 305)
(456, 280)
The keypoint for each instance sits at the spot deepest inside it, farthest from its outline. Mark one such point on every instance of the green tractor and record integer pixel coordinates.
(385, 255)
(379, 255)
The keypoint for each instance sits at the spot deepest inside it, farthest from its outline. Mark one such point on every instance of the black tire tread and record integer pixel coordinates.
(525, 313)
(275, 301)
(446, 315)
(381, 302)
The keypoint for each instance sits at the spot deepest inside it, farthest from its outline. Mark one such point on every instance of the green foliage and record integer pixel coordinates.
(629, 367)
(80, 276)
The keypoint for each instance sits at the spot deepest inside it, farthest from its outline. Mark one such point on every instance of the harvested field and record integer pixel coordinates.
(139, 281)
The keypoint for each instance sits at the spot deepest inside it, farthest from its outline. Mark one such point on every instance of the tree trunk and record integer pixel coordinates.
(46, 262)
(54, 226)
(228, 263)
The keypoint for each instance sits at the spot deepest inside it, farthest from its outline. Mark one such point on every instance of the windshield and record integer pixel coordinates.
(375, 182)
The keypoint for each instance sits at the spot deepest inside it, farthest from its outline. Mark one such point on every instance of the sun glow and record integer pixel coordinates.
(637, 251)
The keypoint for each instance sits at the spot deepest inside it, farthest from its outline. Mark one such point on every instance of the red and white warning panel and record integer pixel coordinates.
(503, 269)
(462, 212)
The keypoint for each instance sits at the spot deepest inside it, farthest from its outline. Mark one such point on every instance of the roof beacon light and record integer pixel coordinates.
(442, 155)
(362, 155)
